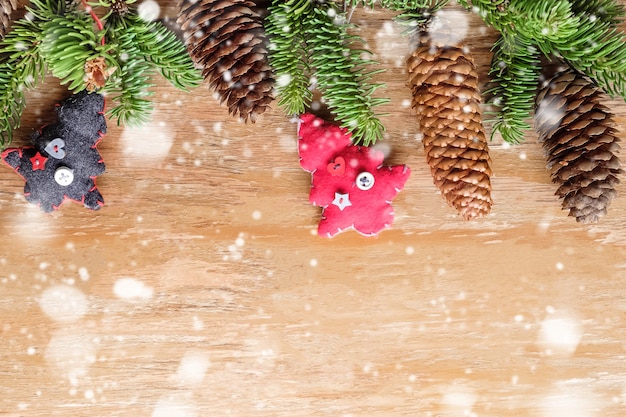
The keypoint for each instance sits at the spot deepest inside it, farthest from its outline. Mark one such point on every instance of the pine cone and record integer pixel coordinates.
(444, 83)
(96, 73)
(227, 40)
(6, 8)
(580, 142)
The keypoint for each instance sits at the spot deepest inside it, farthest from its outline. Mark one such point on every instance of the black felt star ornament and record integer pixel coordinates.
(63, 162)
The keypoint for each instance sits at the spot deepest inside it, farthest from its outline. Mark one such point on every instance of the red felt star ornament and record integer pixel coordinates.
(349, 182)
(38, 162)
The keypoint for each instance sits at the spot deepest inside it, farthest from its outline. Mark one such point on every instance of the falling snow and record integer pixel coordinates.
(179, 407)
(131, 289)
(147, 144)
(235, 251)
(63, 303)
(71, 353)
(257, 371)
(149, 10)
(192, 368)
(560, 335)
(449, 26)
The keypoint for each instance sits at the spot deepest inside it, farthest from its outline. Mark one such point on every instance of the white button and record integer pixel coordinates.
(64, 176)
(365, 181)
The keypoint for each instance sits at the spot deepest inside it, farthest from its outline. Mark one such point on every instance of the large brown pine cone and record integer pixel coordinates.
(227, 40)
(444, 83)
(581, 144)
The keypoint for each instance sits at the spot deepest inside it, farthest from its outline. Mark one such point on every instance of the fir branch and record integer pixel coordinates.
(161, 47)
(12, 102)
(45, 10)
(21, 67)
(130, 92)
(21, 48)
(515, 72)
(139, 49)
(545, 22)
(341, 74)
(129, 85)
(68, 42)
(288, 56)
(56, 35)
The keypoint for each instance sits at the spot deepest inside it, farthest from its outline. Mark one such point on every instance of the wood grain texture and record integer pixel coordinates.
(244, 311)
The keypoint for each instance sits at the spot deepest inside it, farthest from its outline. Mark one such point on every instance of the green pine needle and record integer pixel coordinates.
(311, 41)
(545, 22)
(130, 96)
(583, 33)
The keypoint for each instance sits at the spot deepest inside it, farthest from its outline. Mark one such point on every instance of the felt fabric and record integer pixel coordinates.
(63, 162)
(349, 182)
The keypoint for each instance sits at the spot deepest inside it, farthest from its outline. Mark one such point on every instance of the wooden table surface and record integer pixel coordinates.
(201, 288)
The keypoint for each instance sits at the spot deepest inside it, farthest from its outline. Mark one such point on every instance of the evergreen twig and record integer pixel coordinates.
(342, 76)
(68, 41)
(288, 54)
(130, 84)
(160, 47)
(515, 72)
(319, 32)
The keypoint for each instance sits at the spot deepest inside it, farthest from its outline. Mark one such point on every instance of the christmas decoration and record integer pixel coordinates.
(226, 39)
(117, 56)
(349, 182)
(63, 162)
(444, 83)
(251, 51)
(442, 76)
(580, 142)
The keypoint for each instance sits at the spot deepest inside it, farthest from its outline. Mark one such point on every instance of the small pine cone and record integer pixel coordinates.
(6, 9)
(227, 40)
(580, 143)
(96, 73)
(444, 83)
